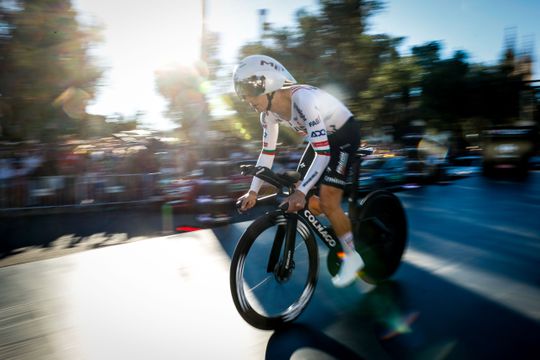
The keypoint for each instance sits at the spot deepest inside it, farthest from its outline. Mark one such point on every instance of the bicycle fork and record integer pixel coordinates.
(284, 234)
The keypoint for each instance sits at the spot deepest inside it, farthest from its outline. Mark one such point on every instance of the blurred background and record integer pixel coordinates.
(119, 103)
(118, 122)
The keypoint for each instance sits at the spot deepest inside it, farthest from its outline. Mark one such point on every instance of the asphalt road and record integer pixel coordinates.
(468, 288)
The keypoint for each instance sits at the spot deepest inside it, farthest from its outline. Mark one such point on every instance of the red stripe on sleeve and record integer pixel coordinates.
(320, 143)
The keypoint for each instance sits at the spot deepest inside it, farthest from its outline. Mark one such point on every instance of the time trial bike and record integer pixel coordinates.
(274, 268)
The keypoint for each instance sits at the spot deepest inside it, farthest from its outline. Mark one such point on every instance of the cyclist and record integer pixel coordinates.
(333, 135)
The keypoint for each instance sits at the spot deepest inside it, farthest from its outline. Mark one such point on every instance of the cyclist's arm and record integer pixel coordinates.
(268, 151)
(317, 137)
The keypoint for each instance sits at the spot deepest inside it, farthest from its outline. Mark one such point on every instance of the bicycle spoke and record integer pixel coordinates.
(251, 289)
(266, 295)
(269, 295)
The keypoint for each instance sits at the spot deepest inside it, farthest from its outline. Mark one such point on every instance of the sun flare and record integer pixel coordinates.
(155, 54)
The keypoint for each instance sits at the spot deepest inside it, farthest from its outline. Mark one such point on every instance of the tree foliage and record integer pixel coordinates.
(45, 57)
(185, 88)
(385, 89)
(328, 49)
(454, 90)
(182, 87)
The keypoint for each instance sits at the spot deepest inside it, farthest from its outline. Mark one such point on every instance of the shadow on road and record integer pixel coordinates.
(285, 342)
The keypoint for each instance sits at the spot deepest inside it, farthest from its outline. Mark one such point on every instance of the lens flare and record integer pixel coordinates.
(400, 325)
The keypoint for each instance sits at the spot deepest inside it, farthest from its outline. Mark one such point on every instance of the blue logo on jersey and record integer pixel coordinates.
(318, 133)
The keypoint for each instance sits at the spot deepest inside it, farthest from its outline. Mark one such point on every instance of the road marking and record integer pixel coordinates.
(501, 228)
(465, 251)
(520, 297)
(467, 187)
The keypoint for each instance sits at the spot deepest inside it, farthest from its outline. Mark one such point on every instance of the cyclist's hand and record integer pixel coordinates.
(296, 201)
(248, 201)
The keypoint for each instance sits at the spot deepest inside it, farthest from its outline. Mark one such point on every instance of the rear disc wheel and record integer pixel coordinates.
(380, 235)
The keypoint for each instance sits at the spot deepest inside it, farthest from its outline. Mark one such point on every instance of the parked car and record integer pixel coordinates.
(466, 165)
(425, 166)
(382, 173)
(507, 149)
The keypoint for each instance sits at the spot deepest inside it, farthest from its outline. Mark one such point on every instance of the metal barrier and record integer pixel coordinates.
(21, 192)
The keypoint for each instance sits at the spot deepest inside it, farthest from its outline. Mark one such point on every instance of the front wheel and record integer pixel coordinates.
(264, 295)
(381, 235)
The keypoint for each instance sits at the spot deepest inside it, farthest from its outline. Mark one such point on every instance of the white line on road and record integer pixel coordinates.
(515, 295)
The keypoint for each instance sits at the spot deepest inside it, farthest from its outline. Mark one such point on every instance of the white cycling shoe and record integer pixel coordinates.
(352, 262)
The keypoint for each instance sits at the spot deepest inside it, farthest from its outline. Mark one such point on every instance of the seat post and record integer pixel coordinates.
(352, 203)
(355, 175)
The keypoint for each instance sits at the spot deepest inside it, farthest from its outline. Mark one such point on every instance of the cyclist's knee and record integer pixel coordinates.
(329, 207)
(314, 205)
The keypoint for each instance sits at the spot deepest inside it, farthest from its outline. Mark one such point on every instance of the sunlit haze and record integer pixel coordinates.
(139, 38)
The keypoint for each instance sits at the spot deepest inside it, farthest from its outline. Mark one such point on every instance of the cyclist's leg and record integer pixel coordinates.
(314, 205)
(343, 146)
(330, 204)
(351, 260)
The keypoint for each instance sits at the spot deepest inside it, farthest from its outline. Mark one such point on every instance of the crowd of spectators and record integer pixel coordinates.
(126, 167)
(74, 171)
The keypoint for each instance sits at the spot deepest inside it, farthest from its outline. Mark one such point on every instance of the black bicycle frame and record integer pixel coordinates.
(327, 236)
(287, 232)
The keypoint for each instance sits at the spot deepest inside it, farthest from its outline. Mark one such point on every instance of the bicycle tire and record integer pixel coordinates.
(245, 289)
(380, 235)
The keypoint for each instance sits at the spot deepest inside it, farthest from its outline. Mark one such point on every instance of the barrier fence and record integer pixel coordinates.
(21, 192)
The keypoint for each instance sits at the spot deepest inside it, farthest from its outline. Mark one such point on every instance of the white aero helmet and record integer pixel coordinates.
(260, 74)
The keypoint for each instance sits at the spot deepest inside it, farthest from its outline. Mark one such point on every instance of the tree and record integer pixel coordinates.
(185, 88)
(444, 88)
(6, 27)
(328, 49)
(47, 53)
(389, 101)
(181, 86)
(455, 91)
(384, 89)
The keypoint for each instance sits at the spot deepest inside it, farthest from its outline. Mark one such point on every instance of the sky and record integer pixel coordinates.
(139, 38)
(475, 26)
